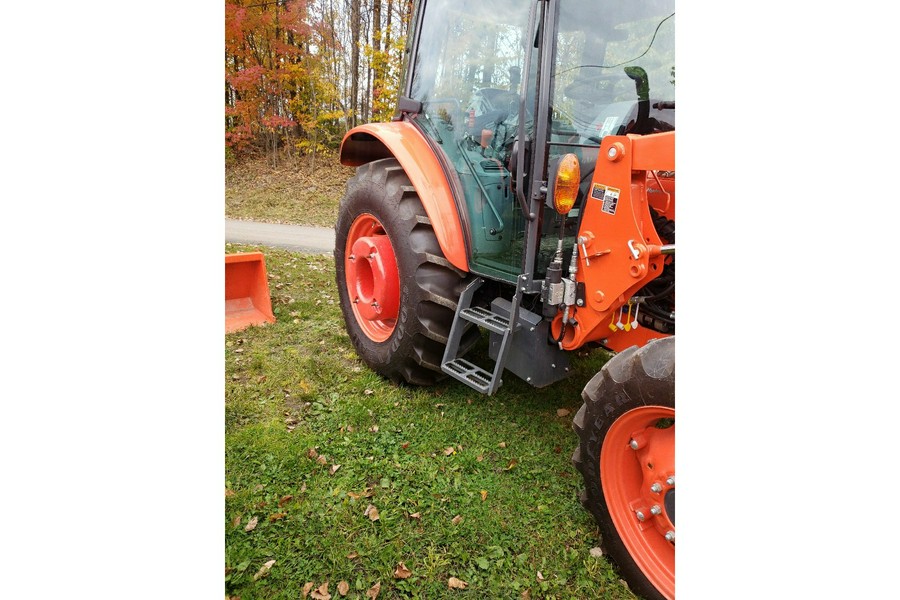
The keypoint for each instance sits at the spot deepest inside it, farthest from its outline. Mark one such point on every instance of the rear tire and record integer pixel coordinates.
(408, 344)
(632, 399)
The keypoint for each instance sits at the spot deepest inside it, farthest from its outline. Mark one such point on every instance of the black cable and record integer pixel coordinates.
(621, 63)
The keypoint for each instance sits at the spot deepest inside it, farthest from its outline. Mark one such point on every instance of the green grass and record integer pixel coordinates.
(298, 385)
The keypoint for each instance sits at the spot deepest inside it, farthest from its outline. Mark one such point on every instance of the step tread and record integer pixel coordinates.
(469, 373)
(485, 318)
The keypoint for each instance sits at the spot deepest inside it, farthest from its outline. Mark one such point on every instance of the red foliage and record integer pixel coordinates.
(260, 41)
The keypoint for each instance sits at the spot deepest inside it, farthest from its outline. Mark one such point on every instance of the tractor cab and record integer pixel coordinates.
(504, 89)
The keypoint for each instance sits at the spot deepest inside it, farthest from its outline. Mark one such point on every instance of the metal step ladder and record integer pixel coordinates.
(486, 382)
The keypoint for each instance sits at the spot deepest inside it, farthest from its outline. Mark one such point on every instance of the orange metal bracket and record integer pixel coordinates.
(621, 245)
(404, 142)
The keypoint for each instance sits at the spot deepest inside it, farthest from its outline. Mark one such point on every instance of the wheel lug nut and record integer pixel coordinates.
(670, 536)
(655, 509)
(633, 444)
(670, 480)
(640, 516)
(656, 488)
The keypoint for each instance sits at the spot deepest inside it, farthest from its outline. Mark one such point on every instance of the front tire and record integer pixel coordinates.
(626, 455)
(398, 293)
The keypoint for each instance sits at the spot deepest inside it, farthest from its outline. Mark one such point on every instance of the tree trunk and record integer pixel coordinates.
(354, 60)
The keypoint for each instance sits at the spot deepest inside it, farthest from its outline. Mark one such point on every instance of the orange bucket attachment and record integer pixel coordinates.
(247, 299)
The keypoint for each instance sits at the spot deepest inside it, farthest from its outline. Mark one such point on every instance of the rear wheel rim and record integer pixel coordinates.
(635, 485)
(372, 277)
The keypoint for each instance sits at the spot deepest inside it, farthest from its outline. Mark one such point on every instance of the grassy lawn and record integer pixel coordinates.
(466, 486)
(291, 192)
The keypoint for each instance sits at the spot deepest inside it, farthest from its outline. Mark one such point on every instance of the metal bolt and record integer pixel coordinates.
(640, 516)
(523, 289)
(352, 257)
(532, 329)
(552, 365)
(356, 300)
(656, 488)
(528, 379)
(655, 509)
(670, 536)
(579, 302)
(670, 480)
(633, 444)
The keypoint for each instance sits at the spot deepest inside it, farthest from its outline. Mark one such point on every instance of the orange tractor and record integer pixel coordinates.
(526, 186)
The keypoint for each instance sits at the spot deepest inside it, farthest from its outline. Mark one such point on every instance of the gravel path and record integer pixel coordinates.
(299, 238)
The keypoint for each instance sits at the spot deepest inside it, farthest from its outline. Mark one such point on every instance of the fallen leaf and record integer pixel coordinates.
(415, 515)
(258, 488)
(303, 488)
(334, 469)
(252, 524)
(401, 572)
(372, 513)
(502, 444)
(456, 584)
(343, 588)
(449, 450)
(264, 570)
(562, 412)
(349, 428)
(277, 516)
(404, 445)
(236, 521)
(312, 453)
(352, 555)
(540, 576)
(526, 595)
(229, 493)
(480, 457)
(457, 520)
(511, 464)
(368, 392)
(440, 405)
(483, 495)
(373, 429)
(354, 495)
(374, 591)
(321, 460)
(596, 552)
(284, 500)
(321, 593)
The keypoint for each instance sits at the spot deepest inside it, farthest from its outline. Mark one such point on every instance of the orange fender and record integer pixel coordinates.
(401, 140)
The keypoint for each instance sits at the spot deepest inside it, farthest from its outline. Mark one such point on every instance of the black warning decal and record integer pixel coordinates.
(609, 196)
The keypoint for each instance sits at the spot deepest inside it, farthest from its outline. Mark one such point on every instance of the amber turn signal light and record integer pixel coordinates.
(565, 183)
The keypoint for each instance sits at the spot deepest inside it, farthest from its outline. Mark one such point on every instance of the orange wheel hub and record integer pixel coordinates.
(373, 281)
(637, 471)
